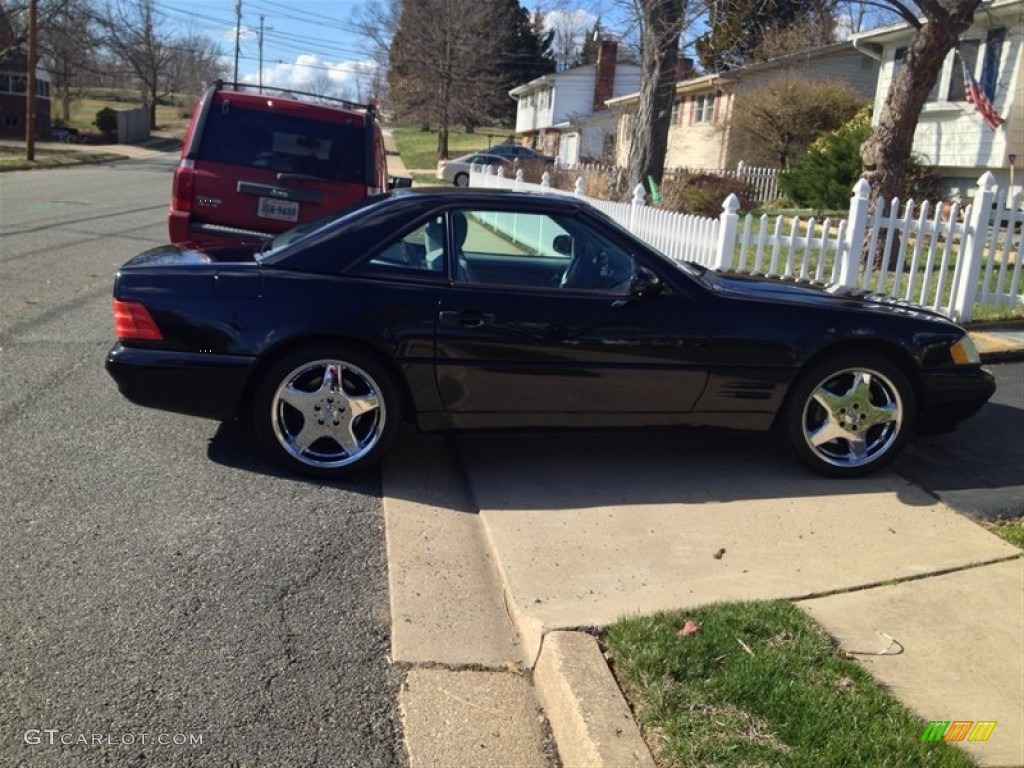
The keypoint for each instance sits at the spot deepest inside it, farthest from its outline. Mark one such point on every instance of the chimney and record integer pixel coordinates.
(684, 69)
(604, 79)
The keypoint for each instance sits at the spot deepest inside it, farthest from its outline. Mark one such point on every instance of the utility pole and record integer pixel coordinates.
(261, 52)
(30, 86)
(238, 34)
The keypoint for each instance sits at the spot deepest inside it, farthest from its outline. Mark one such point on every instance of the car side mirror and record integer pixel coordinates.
(644, 283)
(399, 182)
(563, 245)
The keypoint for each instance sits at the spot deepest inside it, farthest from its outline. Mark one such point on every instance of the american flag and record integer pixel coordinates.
(980, 100)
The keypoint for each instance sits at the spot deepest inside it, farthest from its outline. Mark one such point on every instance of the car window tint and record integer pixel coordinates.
(538, 250)
(419, 252)
(285, 143)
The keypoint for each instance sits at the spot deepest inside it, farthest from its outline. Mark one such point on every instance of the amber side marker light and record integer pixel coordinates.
(132, 322)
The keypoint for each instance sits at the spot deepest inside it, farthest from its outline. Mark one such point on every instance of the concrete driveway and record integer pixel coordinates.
(580, 530)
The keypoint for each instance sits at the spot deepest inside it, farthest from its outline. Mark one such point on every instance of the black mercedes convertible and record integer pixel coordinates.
(471, 309)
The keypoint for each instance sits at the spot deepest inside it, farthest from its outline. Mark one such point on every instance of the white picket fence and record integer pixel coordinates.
(763, 182)
(944, 257)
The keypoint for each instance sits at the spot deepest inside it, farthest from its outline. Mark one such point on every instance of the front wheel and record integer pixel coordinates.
(850, 414)
(327, 411)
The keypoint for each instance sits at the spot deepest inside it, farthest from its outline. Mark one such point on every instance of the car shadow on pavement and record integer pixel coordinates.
(551, 471)
(234, 445)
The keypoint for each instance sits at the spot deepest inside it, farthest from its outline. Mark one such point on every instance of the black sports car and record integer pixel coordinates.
(463, 309)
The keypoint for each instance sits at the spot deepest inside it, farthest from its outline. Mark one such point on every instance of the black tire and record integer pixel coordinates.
(461, 179)
(348, 402)
(849, 414)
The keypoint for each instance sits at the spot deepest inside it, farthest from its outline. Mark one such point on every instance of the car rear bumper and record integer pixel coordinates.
(194, 383)
(183, 229)
(950, 396)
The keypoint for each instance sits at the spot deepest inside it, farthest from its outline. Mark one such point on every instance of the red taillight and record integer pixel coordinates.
(184, 186)
(132, 321)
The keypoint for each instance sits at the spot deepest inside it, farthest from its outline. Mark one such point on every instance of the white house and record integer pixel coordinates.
(951, 134)
(564, 114)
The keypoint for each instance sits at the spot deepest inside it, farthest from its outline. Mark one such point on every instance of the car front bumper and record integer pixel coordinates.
(952, 395)
(194, 383)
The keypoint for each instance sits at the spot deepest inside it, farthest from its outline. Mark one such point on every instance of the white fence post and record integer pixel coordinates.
(965, 290)
(856, 227)
(580, 189)
(638, 202)
(726, 233)
(545, 181)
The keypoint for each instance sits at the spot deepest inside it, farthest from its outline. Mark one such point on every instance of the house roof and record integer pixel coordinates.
(902, 29)
(705, 82)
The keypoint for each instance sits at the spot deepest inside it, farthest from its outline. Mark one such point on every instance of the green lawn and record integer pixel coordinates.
(419, 148)
(13, 158)
(761, 684)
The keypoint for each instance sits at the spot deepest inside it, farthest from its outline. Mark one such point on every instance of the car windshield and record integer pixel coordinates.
(272, 246)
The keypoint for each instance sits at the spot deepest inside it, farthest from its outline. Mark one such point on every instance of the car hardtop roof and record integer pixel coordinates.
(469, 195)
(287, 94)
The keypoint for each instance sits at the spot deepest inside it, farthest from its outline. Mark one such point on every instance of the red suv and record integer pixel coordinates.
(254, 164)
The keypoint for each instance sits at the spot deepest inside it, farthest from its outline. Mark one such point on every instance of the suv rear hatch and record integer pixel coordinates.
(256, 165)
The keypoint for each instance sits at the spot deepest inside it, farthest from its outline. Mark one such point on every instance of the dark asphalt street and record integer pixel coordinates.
(166, 597)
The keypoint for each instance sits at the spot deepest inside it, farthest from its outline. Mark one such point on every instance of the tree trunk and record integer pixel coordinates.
(886, 153)
(662, 24)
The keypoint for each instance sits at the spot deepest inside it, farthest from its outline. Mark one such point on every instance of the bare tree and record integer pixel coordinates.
(132, 30)
(661, 25)
(777, 122)
(67, 40)
(886, 153)
(444, 62)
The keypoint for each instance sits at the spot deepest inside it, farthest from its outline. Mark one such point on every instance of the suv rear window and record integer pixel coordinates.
(285, 143)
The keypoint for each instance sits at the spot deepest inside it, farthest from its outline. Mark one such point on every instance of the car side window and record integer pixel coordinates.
(538, 250)
(417, 253)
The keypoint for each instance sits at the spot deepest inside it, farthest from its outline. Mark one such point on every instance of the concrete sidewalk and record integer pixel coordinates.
(520, 540)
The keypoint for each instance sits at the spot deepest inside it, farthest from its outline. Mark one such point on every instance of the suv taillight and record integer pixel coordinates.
(184, 186)
(132, 322)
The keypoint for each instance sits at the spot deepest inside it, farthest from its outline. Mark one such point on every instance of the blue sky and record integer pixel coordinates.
(302, 40)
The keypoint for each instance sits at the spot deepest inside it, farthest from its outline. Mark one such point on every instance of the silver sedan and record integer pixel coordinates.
(457, 170)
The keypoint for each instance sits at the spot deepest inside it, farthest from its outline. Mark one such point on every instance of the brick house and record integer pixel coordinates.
(13, 81)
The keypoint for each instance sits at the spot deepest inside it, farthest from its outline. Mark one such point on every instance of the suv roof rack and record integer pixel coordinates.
(218, 84)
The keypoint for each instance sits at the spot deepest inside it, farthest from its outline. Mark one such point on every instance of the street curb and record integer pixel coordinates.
(589, 718)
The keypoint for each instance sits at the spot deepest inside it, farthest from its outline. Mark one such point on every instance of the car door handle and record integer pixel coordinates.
(466, 318)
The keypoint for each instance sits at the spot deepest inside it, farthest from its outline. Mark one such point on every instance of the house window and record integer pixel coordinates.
(704, 108)
(608, 148)
(676, 109)
(11, 121)
(43, 88)
(968, 54)
(18, 84)
(990, 64)
(5, 83)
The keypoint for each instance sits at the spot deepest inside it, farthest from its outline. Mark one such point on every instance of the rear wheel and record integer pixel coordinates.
(327, 411)
(461, 179)
(850, 414)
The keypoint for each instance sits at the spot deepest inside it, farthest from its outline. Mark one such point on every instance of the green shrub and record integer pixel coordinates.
(825, 175)
(705, 193)
(106, 120)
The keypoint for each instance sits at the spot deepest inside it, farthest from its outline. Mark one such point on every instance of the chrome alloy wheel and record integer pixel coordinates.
(852, 417)
(328, 413)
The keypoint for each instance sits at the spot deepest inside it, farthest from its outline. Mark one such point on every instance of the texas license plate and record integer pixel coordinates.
(281, 210)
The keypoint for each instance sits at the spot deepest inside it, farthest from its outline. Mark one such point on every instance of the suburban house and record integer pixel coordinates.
(951, 133)
(564, 114)
(700, 135)
(13, 82)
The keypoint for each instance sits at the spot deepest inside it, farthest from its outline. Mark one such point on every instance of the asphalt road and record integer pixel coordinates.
(166, 597)
(979, 468)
